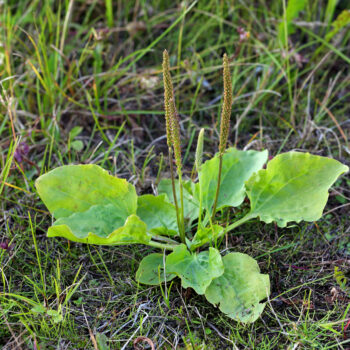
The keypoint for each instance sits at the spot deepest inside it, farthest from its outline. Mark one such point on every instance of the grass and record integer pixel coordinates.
(96, 65)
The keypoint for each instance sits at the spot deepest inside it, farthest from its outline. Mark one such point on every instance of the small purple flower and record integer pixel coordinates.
(21, 151)
(4, 245)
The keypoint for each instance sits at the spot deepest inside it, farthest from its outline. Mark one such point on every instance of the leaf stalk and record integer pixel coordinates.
(240, 222)
(162, 245)
(217, 188)
(174, 189)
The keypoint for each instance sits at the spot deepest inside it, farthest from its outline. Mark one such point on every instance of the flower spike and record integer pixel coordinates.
(168, 95)
(173, 140)
(224, 124)
(226, 108)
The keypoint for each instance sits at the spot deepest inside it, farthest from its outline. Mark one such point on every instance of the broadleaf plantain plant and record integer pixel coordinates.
(91, 206)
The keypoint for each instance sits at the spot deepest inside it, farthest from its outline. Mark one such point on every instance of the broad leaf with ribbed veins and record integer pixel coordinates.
(195, 270)
(91, 206)
(240, 289)
(75, 188)
(237, 167)
(151, 270)
(83, 228)
(158, 214)
(293, 187)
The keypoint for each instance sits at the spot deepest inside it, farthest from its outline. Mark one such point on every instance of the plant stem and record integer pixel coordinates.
(198, 165)
(161, 245)
(217, 188)
(170, 153)
(182, 217)
(165, 239)
(200, 206)
(240, 222)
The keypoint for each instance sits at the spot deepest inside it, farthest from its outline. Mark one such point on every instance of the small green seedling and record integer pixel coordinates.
(91, 206)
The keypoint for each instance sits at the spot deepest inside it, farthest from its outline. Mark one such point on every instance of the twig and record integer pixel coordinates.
(92, 337)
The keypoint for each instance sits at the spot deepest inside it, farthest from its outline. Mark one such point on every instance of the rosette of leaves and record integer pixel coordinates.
(91, 206)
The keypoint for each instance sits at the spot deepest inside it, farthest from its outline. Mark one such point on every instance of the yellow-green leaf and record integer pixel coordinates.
(75, 188)
(191, 204)
(293, 187)
(205, 235)
(237, 167)
(133, 231)
(240, 289)
(195, 270)
(151, 270)
(158, 214)
(91, 206)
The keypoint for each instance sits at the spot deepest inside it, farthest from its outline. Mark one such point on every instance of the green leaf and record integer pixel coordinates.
(38, 308)
(292, 12)
(98, 219)
(293, 187)
(102, 340)
(151, 270)
(237, 167)
(133, 230)
(195, 270)
(56, 315)
(339, 23)
(240, 289)
(91, 206)
(77, 145)
(75, 132)
(206, 235)
(191, 204)
(158, 214)
(75, 188)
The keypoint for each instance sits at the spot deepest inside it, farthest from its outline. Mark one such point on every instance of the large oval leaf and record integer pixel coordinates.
(237, 167)
(91, 206)
(158, 214)
(151, 270)
(133, 230)
(195, 270)
(293, 187)
(75, 188)
(240, 289)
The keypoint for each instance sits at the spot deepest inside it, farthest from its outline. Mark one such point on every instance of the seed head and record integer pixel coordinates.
(171, 116)
(168, 95)
(226, 107)
(175, 134)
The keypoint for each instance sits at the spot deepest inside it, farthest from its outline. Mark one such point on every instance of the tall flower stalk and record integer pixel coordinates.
(198, 163)
(224, 123)
(173, 140)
